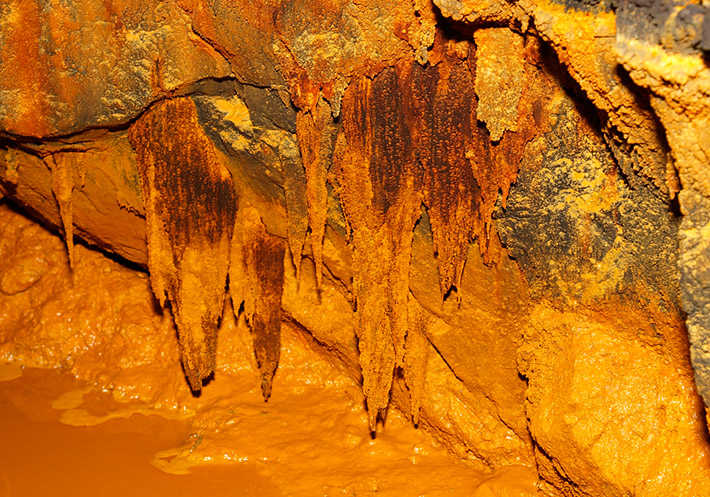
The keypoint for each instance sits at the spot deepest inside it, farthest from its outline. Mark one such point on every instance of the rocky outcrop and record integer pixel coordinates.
(469, 204)
(664, 47)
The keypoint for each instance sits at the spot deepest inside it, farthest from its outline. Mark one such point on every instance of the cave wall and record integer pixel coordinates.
(479, 198)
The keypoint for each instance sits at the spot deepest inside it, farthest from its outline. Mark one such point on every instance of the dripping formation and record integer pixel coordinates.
(389, 159)
(63, 187)
(386, 158)
(256, 278)
(489, 215)
(190, 213)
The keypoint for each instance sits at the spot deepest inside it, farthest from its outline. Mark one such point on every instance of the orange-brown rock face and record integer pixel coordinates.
(663, 47)
(598, 394)
(100, 64)
(468, 206)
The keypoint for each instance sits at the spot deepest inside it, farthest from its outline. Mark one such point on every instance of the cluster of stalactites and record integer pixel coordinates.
(408, 137)
(197, 237)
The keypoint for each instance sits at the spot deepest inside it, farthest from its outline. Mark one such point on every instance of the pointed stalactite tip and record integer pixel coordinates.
(198, 375)
(266, 383)
(194, 379)
(195, 384)
(376, 413)
(372, 415)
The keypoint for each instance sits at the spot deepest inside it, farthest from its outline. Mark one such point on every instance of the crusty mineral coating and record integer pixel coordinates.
(375, 171)
(499, 71)
(680, 86)
(584, 43)
(594, 232)
(443, 98)
(190, 211)
(256, 281)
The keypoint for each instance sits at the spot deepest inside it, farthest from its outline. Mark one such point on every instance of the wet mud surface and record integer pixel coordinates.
(64, 437)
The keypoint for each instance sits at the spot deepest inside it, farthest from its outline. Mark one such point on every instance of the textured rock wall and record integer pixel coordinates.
(664, 47)
(471, 204)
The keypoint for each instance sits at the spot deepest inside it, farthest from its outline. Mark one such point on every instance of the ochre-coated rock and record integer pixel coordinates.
(106, 331)
(106, 201)
(416, 355)
(54, 316)
(72, 66)
(477, 200)
(611, 410)
(499, 72)
(120, 340)
(672, 68)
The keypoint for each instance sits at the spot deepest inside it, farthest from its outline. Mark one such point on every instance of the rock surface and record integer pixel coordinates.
(473, 201)
(663, 47)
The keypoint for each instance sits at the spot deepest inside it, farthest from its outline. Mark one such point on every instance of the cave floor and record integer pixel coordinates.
(63, 437)
(41, 455)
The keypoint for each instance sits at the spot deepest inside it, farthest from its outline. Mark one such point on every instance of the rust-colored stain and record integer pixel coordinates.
(256, 277)
(315, 131)
(443, 116)
(190, 211)
(377, 176)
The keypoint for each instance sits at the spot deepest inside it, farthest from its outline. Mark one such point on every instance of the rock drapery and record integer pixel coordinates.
(190, 210)
(475, 187)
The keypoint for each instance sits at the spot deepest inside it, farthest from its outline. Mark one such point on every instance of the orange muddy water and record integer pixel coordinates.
(43, 454)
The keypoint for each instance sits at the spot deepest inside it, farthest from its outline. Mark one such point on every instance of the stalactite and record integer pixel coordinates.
(416, 354)
(295, 191)
(443, 98)
(378, 185)
(256, 280)
(190, 210)
(391, 156)
(63, 187)
(315, 137)
(463, 170)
